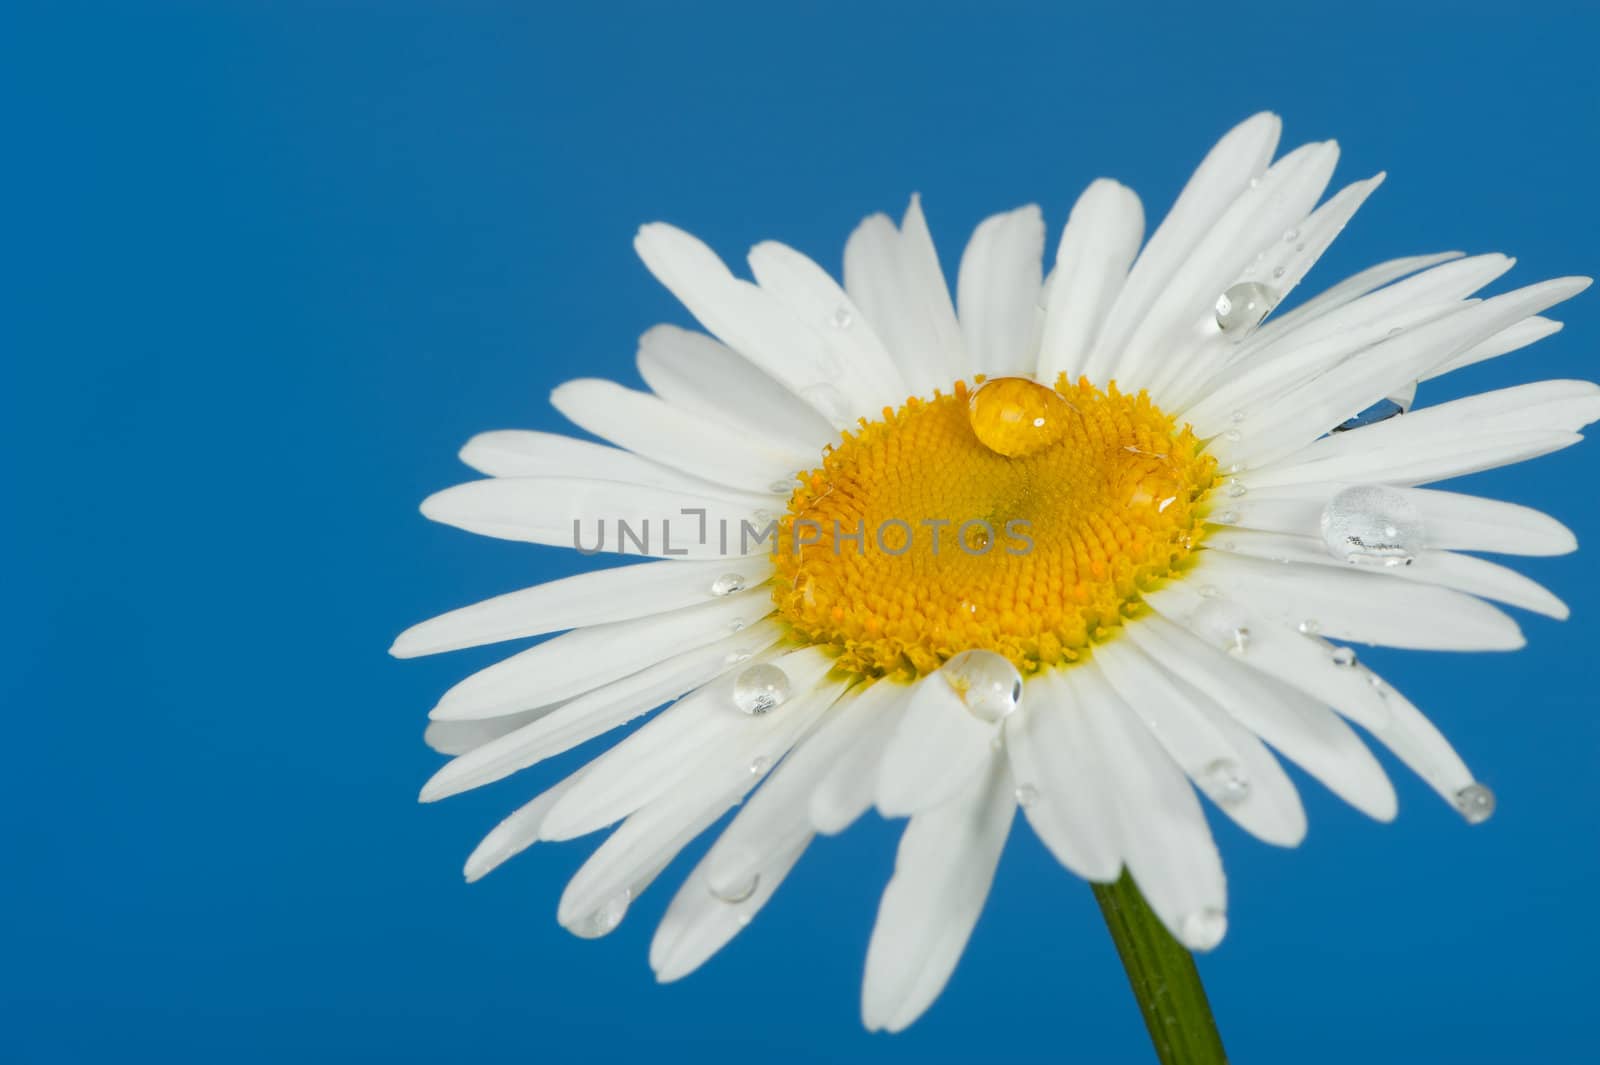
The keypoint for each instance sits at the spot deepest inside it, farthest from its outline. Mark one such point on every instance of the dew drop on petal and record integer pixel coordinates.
(783, 487)
(987, 683)
(1344, 657)
(843, 317)
(1309, 627)
(1013, 416)
(1027, 795)
(1225, 782)
(760, 688)
(1476, 803)
(604, 920)
(727, 584)
(1203, 929)
(1235, 489)
(1222, 625)
(760, 764)
(1242, 307)
(1372, 525)
(738, 893)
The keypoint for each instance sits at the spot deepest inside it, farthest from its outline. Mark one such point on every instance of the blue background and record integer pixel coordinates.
(268, 265)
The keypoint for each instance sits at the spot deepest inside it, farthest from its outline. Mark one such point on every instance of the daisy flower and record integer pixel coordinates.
(1089, 544)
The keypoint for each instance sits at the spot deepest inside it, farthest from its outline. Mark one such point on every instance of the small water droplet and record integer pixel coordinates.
(760, 764)
(1027, 795)
(987, 683)
(1013, 416)
(1309, 627)
(1380, 411)
(760, 688)
(605, 919)
(738, 893)
(1232, 435)
(1235, 489)
(1242, 307)
(1344, 656)
(1228, 517)
(1255, 182)
(1372, 524)
(727, 584)
(1278, 272)
(1225, 782)
(1203, 929)
(782, 487)
(1476, 803)
(1239, 641)
(843, 317)
(1210, 591)
(1236, 417)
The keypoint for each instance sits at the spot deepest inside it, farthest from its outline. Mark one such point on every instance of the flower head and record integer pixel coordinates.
(1084, 544)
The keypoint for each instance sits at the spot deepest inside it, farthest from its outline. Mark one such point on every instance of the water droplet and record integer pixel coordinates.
(727, 584)
(783, 487)
(1278, 272)
(760, 764)
(987, 683)
(1236, 417)
(1227, 517)
(1239, 640)
(1222, 624)
(1380, 411)
(1210, 591)
(1476, 803)
(1255, 182)
(1290, 236)
(843, 317)
(1344, 656)
(1014, 416)
(760, 688)
(1027, 795)
(738, 893)
(1225, 782)
(605, 919)
(1235, 489)
(1232, 435)
(1203, 929)
(1242, 307)
(1372, 524)
(1309, 627)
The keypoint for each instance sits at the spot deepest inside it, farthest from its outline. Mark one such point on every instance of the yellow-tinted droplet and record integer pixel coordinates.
(1013, 416)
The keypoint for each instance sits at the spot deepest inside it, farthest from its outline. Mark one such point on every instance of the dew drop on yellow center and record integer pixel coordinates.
(1013, 518)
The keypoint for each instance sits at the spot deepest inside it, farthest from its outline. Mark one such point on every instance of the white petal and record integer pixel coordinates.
(1164, 837)
(1097, 247)
(1432, 459)
(516, 833)
(1298, 725)
(591, 516)
(648, 425)
(846, 790)
(699, 922)
(1299, 416)
(938, 746)
(893, 275)
(1513, 338)
(865, 366)
(703, 736)
(1227, 170)
(561, 728)
(593, 598)
(943, 870)
(701, 375)
(1464, 573)
(1222, 758)
(583, 659)
(1453, 521)
(1355, 604)
(997, 291)
(778, 816)
(459, 737)
(1421, 746)
(525, 453)
(1071, 798)
(751, 321)
(1184, 312)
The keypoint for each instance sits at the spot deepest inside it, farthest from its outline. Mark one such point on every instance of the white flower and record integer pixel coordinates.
(1159, 613)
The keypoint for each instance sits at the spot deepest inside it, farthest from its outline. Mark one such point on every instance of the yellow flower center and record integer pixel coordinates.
(1015, 518)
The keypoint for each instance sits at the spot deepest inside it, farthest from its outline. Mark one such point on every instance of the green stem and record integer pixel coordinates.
(1165, 981)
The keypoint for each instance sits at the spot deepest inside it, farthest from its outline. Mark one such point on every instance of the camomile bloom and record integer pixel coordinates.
(1089, 543)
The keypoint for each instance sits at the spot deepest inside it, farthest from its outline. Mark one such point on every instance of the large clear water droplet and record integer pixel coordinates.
(1203, 929)
(727, 584)
(605, 919)
(1013, 416)
(987, 684)
(1476, 803)
(760, 688)
(1225, 782)
(1372, 524)
(1242, 307)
